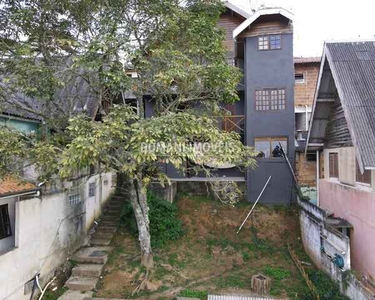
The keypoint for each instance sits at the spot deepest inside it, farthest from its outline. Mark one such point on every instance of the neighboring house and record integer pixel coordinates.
(343, 130)
(306, 76)
(261, 44)
(41, 227)
(20, 123)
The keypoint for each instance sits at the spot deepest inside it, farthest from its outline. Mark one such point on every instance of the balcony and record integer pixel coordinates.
(234, 123)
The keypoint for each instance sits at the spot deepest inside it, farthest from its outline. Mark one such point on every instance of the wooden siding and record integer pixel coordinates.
(229, 21)
(268, 25)
(337, 132)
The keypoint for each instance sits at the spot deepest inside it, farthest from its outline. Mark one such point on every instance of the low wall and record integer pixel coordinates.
(47, 230)
(321, 242)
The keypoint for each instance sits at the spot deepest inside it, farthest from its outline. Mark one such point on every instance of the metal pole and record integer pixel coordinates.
(260, 195)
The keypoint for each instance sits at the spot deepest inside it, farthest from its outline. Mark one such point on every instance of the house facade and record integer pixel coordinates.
(260, 43)
(342, 131)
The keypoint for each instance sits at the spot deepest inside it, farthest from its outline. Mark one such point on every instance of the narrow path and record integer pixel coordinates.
(91, 259)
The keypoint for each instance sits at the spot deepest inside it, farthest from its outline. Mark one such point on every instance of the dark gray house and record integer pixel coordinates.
(261, 44)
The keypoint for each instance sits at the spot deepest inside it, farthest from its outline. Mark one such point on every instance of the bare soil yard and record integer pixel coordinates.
(211, 257)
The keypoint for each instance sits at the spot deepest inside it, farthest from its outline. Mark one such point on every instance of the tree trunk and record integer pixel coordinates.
(140, 208)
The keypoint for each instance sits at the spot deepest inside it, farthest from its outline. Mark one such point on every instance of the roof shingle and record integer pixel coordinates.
(12, 185)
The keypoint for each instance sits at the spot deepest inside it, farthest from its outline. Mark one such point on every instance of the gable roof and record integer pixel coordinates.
(237, 9)
(262, 12)
(352, 65)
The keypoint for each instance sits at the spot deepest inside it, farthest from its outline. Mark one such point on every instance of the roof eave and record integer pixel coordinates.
(237, 9)
(259, 13)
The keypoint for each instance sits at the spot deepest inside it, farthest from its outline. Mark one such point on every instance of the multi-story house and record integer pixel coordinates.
(261, 44)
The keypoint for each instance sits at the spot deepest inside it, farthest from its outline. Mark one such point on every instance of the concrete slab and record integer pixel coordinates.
(87, 270)
(75, 295)
(83, 284)
(100, 242)
(96, 255)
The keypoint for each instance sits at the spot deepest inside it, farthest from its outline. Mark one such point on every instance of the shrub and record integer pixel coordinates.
(164, 224)
(276, 273)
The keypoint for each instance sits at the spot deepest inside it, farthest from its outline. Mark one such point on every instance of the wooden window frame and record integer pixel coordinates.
(270, 140)
(364, 178)
(264, 42)
(269, 93)
(333, 162)
(5, 226)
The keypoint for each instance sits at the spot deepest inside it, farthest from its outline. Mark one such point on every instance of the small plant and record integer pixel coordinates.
(164, 224)
(50, 295)
(276, 273)
(194, 294)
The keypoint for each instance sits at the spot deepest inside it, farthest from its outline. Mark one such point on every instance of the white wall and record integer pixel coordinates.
(47, 231)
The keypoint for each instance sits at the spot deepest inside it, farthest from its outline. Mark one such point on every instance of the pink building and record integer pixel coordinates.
(342, 131)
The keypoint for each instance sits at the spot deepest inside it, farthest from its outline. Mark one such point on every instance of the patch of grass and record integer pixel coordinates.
(245, 256)
(194, 294)
(233, 281)
(276, 273)
(49, 295)
(160, 272)
(174, 261)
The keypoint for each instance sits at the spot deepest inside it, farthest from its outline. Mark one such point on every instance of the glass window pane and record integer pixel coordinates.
(276, 150)
(263, 147)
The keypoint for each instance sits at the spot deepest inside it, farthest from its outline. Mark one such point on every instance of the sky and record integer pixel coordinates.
(316, 21)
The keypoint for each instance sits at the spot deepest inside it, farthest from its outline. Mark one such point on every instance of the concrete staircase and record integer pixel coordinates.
(91, 259)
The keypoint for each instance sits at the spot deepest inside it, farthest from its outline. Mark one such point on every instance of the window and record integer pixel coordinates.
(92, 189)
(270, 42)
(363, 178)
(270, 147)
(299, 78)
(334, 165)
(5, 229)
(74, 199)
(270, 99)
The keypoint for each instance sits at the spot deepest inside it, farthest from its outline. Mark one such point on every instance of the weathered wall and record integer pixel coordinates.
(47, 231)
(304, 92)
(305, 170)
(358, 207)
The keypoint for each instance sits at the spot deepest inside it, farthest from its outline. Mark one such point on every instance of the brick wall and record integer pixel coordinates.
(304, 92)
(305, 170)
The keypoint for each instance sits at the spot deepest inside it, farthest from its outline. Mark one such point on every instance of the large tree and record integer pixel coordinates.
(175, 48)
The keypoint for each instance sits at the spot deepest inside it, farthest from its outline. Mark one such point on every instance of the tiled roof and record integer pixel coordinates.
(11, 185)
(306, 60)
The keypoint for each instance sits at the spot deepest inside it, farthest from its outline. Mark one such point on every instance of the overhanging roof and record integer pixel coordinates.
(259, 13)
(237, 9)
(351, 67)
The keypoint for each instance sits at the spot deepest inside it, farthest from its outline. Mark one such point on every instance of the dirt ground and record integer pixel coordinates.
(211, 257)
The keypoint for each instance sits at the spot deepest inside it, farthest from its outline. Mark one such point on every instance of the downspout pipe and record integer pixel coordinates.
(317, 176)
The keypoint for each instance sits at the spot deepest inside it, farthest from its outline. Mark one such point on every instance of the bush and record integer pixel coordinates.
(194, 294)
(164, 224)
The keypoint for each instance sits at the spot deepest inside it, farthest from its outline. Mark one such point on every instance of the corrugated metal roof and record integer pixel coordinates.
(306, 60)
(353, 69)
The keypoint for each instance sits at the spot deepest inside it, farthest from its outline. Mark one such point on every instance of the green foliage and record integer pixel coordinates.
(164, 224)
(50, 295)
(276, 273)
(326, 288)
(194, 294)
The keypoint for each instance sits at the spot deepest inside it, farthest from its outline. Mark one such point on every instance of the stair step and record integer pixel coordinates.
(103, 235)
(110, 218)
(100, 242)
(108, 223)
(82, 284)
(109, 229)
(95, 255)
(87, 270)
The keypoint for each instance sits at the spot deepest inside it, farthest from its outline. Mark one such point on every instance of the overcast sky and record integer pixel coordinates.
(318, 20)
